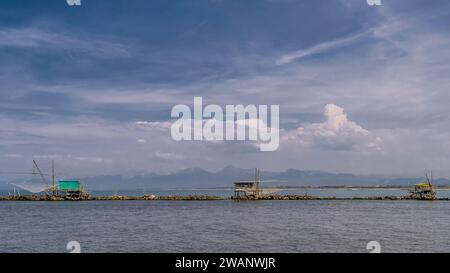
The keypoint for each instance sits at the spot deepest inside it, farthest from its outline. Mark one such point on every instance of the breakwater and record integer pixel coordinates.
(309, 197)
(203, 198)
(111, 198)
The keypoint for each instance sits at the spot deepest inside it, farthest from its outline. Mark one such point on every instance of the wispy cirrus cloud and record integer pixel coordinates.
(32, 37)
(322, 47)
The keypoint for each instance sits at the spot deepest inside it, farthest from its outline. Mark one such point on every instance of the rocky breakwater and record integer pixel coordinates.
(309, 197)
(110, 198)
(282, 197)
(201, 198)
(41, 198)
(156, 198)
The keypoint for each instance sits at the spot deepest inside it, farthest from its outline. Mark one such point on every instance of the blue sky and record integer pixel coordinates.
(361, 89)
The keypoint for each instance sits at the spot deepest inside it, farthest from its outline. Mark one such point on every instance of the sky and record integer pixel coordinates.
(362, 89)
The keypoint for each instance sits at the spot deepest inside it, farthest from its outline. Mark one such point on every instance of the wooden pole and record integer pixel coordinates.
(53, 178)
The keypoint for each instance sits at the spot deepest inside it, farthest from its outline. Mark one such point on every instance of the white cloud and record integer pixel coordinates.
(160, 125)
(169, 156)
(13, 155)
(319, 48)
(47, 157)
(145, 96)
(98, 160)
(33, 37)
(336, 123)
(337, 132)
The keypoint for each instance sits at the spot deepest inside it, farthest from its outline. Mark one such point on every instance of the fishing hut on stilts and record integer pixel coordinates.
(244, 188)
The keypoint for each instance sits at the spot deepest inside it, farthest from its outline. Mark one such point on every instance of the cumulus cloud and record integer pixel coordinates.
(337, 132)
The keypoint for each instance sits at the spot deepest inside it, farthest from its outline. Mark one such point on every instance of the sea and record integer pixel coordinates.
(228, 226)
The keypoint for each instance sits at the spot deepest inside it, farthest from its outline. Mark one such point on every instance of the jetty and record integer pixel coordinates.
(248, 197)
(250, 190)
(112, 198)
(331, 198)
(253, 190)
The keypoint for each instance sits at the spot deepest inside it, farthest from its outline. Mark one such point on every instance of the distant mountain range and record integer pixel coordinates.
(199, 178)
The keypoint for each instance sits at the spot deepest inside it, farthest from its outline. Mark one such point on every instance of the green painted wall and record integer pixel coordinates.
(65, 185)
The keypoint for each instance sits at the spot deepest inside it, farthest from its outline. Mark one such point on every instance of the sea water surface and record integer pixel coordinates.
(225, 226)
